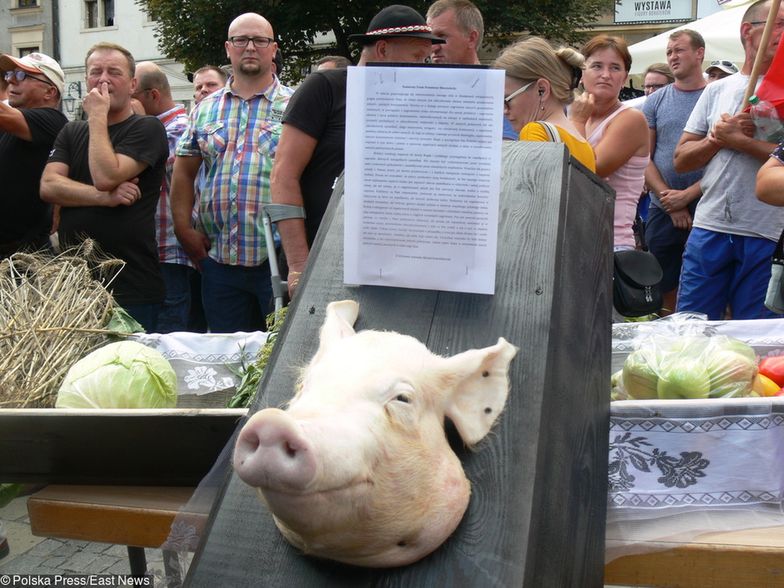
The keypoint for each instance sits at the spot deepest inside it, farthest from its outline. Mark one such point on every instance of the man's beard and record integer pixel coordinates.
(251, 68)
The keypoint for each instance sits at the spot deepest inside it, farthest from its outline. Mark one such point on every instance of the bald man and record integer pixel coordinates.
(154, 93)
(234, 132)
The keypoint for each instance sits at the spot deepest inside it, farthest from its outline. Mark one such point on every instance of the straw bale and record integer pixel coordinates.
(53, 311)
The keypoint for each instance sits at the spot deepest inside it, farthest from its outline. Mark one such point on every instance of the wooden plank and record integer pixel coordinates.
(753, 557)
(174, 447)
(536, 516)
(126, 515)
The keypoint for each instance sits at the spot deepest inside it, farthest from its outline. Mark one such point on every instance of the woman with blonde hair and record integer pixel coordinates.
(619, 134)
(540, 83)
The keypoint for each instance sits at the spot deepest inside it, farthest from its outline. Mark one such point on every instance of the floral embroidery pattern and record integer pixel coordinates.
(632, 452)
(204, 377)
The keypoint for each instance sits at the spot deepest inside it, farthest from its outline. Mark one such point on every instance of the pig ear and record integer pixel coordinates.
(480, 386)
(339, 323)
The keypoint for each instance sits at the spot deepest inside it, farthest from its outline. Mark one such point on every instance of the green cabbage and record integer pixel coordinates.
(120, 375)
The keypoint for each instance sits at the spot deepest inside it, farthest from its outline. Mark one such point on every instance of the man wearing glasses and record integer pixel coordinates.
(29, 124)
(235, 133)
(726, 261)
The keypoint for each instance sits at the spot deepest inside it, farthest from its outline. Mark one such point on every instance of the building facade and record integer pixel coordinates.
(27, 26)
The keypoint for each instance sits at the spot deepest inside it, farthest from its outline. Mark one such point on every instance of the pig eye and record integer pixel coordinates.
(403, 398)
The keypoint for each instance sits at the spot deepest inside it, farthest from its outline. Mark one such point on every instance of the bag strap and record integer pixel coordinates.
(778, 254)
(551, 130)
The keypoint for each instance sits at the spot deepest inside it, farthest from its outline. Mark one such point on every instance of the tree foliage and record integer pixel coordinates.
(193, 31)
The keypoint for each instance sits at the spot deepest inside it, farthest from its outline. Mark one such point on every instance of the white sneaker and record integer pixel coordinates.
(4, 549)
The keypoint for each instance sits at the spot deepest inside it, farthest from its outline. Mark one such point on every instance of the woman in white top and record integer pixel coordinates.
(619, 134)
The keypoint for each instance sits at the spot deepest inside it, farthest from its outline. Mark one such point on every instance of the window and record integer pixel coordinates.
(27, 51)
(27, 3)
(98, 13)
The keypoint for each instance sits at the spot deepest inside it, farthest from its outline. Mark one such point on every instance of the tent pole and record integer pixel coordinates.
(769, 26)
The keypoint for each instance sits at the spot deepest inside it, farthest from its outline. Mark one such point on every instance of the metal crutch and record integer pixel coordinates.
(272, 213)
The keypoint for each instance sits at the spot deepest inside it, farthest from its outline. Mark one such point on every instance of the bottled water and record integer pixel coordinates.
(766, 118)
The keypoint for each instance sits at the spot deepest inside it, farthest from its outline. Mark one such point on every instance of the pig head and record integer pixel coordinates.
(358, 469)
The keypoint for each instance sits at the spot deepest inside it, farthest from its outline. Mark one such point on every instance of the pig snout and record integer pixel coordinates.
(272, 453)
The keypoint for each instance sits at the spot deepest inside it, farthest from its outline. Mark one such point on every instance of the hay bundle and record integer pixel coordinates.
(52, 312)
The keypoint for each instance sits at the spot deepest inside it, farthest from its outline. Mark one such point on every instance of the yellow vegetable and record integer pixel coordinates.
(764, 386)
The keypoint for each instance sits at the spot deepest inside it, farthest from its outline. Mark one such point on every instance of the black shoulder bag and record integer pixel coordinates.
(636, 278)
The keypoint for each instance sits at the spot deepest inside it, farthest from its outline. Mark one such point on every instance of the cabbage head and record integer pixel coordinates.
(120, 375)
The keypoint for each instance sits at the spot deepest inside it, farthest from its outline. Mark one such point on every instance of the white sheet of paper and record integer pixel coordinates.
(422, 178)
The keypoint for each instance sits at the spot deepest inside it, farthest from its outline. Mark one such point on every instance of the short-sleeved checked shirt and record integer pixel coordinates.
(175, 121)
(237, 140)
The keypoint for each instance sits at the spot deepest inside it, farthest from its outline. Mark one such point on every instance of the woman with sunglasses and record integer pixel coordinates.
(619, 134)
(540, 83)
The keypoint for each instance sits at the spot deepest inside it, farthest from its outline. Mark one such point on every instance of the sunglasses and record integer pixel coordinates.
(515, 93)
(723, 62)
(20, 76)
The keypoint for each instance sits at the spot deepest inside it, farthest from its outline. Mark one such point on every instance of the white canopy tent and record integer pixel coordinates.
(721, 32)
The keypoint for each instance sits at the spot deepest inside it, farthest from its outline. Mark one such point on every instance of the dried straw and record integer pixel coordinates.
(52, 312)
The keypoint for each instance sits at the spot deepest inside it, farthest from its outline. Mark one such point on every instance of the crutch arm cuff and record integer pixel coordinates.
(279, 212)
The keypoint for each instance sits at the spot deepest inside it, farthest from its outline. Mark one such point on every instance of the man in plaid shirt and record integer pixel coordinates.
(235, 132)
(154, 93)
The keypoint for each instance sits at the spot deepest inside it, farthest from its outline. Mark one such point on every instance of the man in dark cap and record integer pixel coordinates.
(311, 149)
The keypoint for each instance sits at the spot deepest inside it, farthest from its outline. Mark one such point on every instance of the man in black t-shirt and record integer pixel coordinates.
(29, 124)
(312, 144)
(106, 175)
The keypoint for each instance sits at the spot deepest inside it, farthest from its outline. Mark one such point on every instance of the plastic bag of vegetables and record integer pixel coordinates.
(692, 366)
(120, 375)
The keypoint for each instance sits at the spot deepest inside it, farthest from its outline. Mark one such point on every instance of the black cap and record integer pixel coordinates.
(397, 21)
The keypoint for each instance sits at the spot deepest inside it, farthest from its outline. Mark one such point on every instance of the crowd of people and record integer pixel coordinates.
(178, 196)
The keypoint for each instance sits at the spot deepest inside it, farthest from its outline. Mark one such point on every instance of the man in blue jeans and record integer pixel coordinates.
(235, 132)
(154, 94)
(727, 257)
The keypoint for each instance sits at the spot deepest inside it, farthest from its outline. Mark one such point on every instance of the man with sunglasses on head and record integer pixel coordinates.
(235, 133)
(29, 124)
(720, 69)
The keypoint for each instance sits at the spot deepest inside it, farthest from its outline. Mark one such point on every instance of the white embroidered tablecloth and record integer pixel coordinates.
(208, 365)
(678, 468)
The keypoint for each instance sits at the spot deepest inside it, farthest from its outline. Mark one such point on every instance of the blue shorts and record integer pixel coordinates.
(721, 269)
(666, 242)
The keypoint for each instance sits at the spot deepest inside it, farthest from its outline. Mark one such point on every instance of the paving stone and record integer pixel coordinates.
(16, 510)
(24, 564)
(20, 540)
(121, 567)
(55, 562)
(100, 564)
(46, 547)
(115, 550)
(79, 561)
(67, 549)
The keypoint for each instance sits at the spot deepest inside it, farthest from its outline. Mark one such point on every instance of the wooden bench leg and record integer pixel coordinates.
(138, 561)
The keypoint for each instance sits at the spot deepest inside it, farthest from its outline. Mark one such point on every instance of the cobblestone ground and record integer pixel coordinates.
(46, 555)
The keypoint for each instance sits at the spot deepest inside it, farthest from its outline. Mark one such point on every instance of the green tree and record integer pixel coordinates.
(193, 31)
